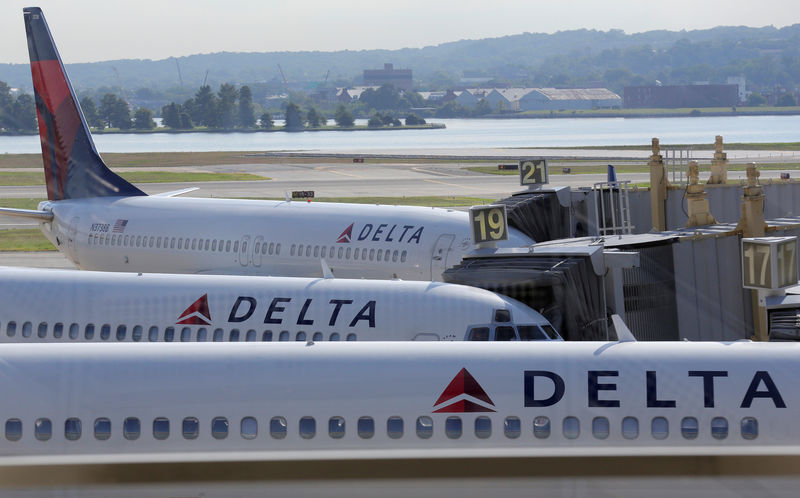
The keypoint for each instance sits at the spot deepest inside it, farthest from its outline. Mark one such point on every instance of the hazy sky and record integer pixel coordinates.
(94, 30)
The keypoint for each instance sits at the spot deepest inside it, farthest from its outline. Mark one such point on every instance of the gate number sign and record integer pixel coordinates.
(533, 172)
(488, 223)
(769, 262)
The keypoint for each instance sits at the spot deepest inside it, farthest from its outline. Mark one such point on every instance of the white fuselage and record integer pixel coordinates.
(38, 305)
(100, 403)
(249, 237)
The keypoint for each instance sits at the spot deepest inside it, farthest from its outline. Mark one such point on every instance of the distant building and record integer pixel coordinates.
(739, 81)
(506, 99)
(672, 96)
(557, 99)
(400, 78)
(471, 96)
(351, 94)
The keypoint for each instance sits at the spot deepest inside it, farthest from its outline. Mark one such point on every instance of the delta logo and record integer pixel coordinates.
(346, 236)
(463, 395)
(383, 232)
(196, 314)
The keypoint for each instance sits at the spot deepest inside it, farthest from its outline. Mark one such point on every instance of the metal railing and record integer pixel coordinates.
(612, 214)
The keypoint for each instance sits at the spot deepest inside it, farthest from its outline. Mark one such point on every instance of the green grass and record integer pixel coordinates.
(426, 201)
(24, 239)
(24, 178)
(20, 203)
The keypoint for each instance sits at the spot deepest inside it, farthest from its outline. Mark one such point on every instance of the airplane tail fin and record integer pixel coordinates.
(72, 167)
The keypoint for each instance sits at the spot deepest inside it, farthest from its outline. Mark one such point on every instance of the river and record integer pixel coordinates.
(460, 133)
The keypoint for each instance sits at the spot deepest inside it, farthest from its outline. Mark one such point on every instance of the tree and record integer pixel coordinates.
(385, 97)
(186, 121)
(314, 118)
(22, 113)
(412, 120)
(375, 121)
(90, 113)
(171, 115)
(143, 119)
(226, 105)
(204, 111)
(786, 100)
(343, 117)
(482, 108)
(756, 99)
(266, 121)
(246, 112)
(294, 120)
(115, 112)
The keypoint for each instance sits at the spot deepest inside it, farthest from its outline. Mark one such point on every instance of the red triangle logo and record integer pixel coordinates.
(346, 235)
(196, 314)
(463, 384)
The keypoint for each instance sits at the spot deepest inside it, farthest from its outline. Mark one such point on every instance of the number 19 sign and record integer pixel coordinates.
(488, 223)
(769, 262)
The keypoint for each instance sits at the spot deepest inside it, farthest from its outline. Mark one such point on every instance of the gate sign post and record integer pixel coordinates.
(488, 224)
(769, 263)
(533, 172)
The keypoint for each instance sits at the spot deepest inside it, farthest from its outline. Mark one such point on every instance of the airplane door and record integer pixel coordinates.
(257, 251)
(72, 236)
(244, 246)
(439, 257)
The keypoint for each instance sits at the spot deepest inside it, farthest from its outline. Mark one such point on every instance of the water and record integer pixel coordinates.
(460, 133)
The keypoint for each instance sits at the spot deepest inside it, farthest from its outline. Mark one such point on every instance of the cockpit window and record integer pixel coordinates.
(503, 316)
(478, 334)
(551, 332)
(505, 334)
(531, 333)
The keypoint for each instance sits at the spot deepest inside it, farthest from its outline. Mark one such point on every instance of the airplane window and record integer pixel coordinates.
(228, 246)
(205, 246)
(394, 256)
(219, 427)
(512, 427)
(194, 244)
(336, 427)
(264, 249)
(334, 336)
(72, 429)
(308, 251)
(114, 240)
(161, 428)
(571, 427)
(531, 333)
(317, 337)
(630, 427)
(277, 427)
(351, 337)
(234, 337)
(719, 427)
(244, 246)
(347, 253)
(301, 336)
(550, 331)
(221, 246)
(386, 255)
(125, 242)
(200, 243)
(11, 329)
(26, 329)
(169, 334)
(43, 429)
(42, 332)
(478, 334)
(380, 254)
(152, 334)
(403, 256)
(180, 243)
(191, 428)
(158, 243)
(267, 336)
(105, 331)
(218, 335)
(102, 428)
(88, 331)
(356, 252)
(257, 248)
(483, 427)
(89, 241)
(73, 331)
(394, 427)
(248, 428)
(251, 336)
(600, 427)
(186, 334)
(136, 335)
(122, 331)
(452, 427)
(316, 251)
(201, 334)
(749, 428)
(341, 250)
(505, 333)
(284, 336)
(322, 251)
(172, 243)
(108, 239)
(308, 427)
(278, 249)
(291, 250)
(214, 245)
(300, 250)
(14, 429)
(689, 427)
(152, 241)
(271, 247)
(58, 330)
(131, 428)
(424, 427)
(366, 427)
(659, 427)
(138, 241)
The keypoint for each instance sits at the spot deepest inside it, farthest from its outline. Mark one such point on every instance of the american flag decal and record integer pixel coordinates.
(119, 226)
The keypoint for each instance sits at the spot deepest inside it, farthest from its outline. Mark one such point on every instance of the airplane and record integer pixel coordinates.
(43, 305)
(101, 222)
(83, 404)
